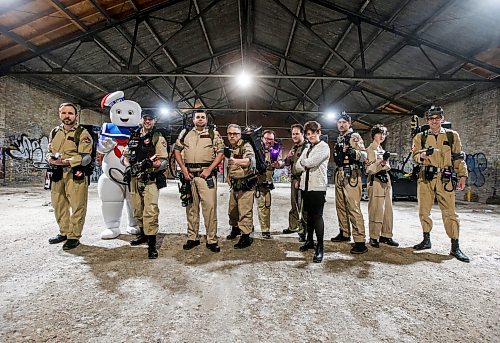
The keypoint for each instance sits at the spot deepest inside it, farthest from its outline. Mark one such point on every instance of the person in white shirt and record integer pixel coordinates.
(313, 163)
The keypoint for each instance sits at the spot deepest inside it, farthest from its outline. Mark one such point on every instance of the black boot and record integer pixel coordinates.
(190, 244)
(141, 238)
(302, 237)
(318, 254)
(359, 248)
(309, 244)
(57, 239)
(374, 242)
(235, 232)
(152, 252)
(455, 251)
(388, 241)
(340, 238)
(426, 242)
(244, 242)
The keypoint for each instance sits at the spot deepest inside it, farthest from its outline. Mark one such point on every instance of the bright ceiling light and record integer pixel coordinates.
(163, 111)
(244, 80)
(330, 115)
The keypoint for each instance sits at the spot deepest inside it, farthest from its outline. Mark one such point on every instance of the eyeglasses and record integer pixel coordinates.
(434, 118)
(233, 133)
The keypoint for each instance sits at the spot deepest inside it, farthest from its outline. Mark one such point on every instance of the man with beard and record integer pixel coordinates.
(349, 156)
(296, 219)
(265, 184)
(203, 150)
(69, 151)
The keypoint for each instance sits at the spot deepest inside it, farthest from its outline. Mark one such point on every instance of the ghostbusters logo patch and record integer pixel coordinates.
(146, 141)
(164, 144)
(86, 140)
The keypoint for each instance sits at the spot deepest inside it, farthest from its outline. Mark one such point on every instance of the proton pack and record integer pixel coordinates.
(253, 136)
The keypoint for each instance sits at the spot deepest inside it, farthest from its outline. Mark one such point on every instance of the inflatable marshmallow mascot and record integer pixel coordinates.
(125, 116)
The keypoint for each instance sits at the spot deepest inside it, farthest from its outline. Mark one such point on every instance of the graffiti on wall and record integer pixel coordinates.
(476, 165)
(23, 147)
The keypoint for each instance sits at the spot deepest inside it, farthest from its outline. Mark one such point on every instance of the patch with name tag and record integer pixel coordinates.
(71, 138)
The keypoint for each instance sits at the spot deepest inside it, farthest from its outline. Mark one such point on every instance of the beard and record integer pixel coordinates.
(68, 121)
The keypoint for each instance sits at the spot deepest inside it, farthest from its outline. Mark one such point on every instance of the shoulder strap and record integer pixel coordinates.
(423, 138)
(181, 139)
(211, 133)
(451, 137)
(156, 137)
(78, 132)
(53, 133)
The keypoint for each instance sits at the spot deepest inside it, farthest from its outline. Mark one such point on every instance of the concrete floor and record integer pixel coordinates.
(107, 291)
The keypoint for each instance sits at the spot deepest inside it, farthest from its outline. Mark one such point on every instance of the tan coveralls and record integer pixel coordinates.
(294, 224)
(428, 190)
(198, 153)
(69, 196)
(348, 192)
(380, 220)
(241, 202)
(263, 196)
(145, 202)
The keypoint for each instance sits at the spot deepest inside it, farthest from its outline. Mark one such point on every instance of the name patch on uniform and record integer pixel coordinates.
(204, 136)
(71, 138)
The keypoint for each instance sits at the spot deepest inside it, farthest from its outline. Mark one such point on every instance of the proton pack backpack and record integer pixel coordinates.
(254, 137)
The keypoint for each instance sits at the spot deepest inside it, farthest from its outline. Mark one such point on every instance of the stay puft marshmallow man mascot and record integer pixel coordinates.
(125, 116)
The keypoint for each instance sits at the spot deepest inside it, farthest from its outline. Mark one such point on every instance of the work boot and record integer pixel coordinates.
(426, 242)
(302, 237)
(71, 244)
(288, 231)
(213, 247)
(235, 232)
(57, 239)
(388, 241)
(340, 238)
(190, 244)
(374, 243)
(455, 251)
(152, 252)
(318, 254)
(359, 248)
(266, 235)
(141, 238)
(244, 242)
(309, 244)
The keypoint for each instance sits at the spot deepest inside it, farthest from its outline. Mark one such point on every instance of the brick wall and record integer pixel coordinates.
(477, 120)
(27, 114)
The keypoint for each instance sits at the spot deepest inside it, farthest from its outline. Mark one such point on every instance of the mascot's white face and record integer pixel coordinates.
(126, 113)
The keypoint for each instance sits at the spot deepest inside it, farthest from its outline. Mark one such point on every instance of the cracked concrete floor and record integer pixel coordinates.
(107, 291)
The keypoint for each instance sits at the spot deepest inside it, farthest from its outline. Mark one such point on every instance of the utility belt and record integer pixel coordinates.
(347, 169)
(381, 176)
(58, 171)
(198, 173)
(350, 166)
(448, 176)
(245, 184)
(266, 185)
(197, 165)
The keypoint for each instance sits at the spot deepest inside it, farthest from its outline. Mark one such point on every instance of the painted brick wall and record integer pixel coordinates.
(27, 114)
(477, 120)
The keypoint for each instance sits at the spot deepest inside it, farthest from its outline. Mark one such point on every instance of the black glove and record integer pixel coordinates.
(146, 164)
(386, 156)
(429, 151)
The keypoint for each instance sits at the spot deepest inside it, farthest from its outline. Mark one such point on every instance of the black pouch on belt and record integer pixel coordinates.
(57, 173)
(429, 173)
(382, 176)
